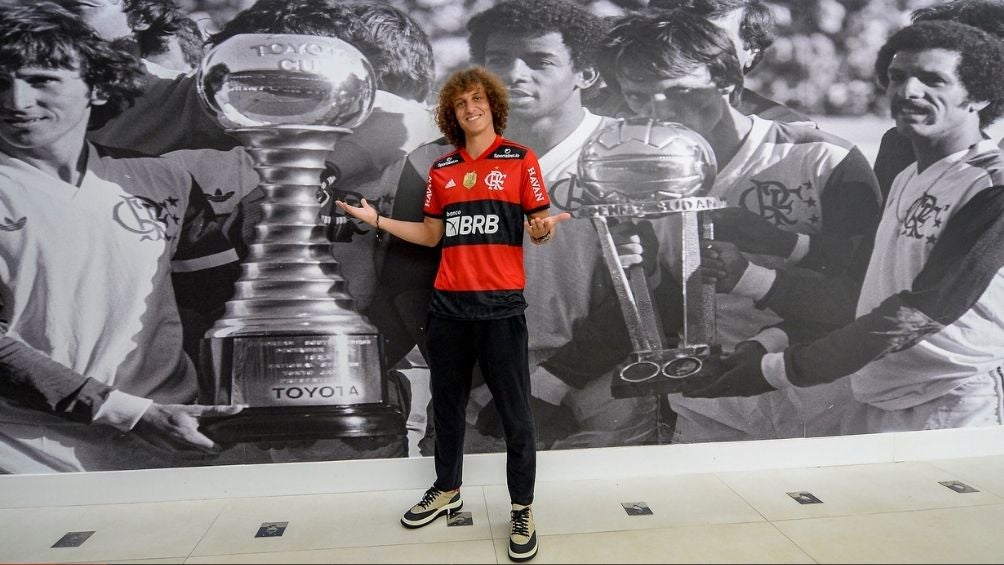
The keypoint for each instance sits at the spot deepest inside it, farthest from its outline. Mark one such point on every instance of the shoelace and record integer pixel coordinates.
(429, 496)
(521, 522)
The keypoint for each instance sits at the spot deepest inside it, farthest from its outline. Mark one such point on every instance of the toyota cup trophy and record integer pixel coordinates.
(290, 346)
(644, 168)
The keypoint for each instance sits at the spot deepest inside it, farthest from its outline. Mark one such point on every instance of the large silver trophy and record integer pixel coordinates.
(291, 346)
(644, 168)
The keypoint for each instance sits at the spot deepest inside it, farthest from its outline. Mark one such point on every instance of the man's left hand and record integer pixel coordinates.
(752, 233)
(542, 228)
(743, 376)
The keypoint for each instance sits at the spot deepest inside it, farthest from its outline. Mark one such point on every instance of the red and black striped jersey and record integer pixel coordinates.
(483, 201)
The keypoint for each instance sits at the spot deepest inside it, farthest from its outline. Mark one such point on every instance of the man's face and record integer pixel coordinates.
(730, 23)
(692, 99)
(39, 107)
(107, 17)
(473, 111)
(538, 71)
(926, 97)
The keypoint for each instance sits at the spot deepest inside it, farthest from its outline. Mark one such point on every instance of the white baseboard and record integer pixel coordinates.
(278, 479)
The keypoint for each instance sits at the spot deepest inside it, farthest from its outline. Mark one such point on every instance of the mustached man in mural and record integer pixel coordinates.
(476, 199)
(895, 152)
(926, 349)
(804, 199)
(94, 376)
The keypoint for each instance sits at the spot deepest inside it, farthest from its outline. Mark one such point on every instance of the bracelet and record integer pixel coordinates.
(541, 239)
(377, 224)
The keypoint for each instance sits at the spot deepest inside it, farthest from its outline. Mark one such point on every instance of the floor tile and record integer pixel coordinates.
(984, 473)
(121, 531)
(479, 551)
(717, 543)
(957, 535)
(334, 521)
(595, 506)
(852, 489)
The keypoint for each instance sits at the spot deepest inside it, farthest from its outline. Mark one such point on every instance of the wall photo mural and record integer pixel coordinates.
(755, 227)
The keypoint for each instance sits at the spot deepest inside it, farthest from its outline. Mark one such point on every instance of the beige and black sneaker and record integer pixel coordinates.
(434, 504)
(523, 535)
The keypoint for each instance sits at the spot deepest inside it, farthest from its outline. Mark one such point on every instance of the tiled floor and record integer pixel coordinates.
(889, 512)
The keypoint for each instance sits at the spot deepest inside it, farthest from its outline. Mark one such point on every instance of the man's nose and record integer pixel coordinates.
(514, 71)
(659, 106)
(912, 87)
(18, 95)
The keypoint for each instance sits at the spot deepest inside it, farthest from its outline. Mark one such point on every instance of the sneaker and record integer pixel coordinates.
(523, 536)
(434, 504)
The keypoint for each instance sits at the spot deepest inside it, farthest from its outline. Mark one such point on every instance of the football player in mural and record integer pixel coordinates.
(803, 198)
(750, 26)
(926, 349)
(93, 372)
(477, 197)
(895, 152)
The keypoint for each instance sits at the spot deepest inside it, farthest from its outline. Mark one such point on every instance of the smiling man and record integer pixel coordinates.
(544, 51)
(926, 349)
(476, 199)
(92, 371)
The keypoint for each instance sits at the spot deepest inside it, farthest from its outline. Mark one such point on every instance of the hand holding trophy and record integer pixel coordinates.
(642, 168)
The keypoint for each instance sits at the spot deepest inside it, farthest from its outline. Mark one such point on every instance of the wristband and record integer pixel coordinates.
(541, 239)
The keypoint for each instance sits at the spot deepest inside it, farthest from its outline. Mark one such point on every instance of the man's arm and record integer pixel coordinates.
(428, 232)
(34, 379)
(962, 265)
(205, 265)
(823, 285)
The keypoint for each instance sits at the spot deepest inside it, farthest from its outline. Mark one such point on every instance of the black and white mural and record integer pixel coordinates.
(316, 352)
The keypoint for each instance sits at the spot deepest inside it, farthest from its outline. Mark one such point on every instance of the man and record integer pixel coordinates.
(775, 177)
(544, 51)
(895, 152)
(926, 349)
(476, 198)
(750, 26)
(93, 372)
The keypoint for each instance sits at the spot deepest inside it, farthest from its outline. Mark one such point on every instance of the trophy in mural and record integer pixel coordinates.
(644, 168)
(290, 346)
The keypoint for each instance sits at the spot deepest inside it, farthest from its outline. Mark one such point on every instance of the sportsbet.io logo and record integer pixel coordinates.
(458, 224)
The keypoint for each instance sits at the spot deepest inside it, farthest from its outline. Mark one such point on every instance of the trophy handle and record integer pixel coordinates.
(633, 294)
(698, 297)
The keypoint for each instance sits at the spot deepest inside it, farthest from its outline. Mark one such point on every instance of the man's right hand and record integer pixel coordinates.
(175, 427)
(722, 264)
(636, 244)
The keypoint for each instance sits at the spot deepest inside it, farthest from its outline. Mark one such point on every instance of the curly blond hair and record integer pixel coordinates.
(463, 81)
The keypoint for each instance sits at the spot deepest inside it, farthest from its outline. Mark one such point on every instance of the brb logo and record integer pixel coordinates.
(460, 224)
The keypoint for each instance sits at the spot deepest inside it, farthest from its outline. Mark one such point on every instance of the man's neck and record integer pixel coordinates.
(728, 135)
(59, 161)
(476, 145)
(543, 134)
(931, 150)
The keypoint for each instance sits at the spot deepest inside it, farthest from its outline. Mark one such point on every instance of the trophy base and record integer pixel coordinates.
(272, 424)
(665, 372)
